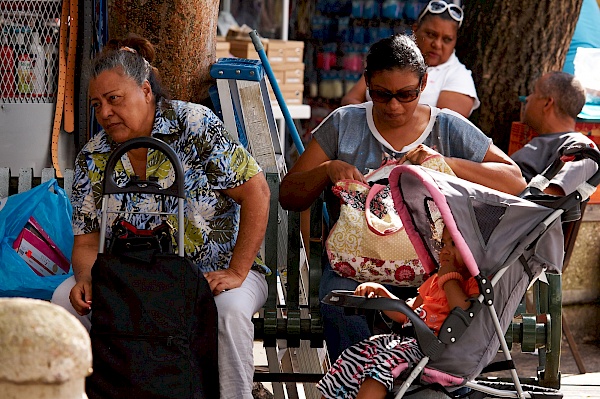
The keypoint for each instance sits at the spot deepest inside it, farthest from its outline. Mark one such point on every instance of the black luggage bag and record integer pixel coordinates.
(154, 319)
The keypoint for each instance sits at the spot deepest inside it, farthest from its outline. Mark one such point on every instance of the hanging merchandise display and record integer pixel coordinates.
(50, 72)
(38, 61)
(29, 34)
(7, 69)
(60, 94)
(26, 37)
(24, 65)
(69, 108)
(24, 74)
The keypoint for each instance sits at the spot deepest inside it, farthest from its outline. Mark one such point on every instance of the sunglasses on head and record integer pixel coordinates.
(403, 96)
(439, 7)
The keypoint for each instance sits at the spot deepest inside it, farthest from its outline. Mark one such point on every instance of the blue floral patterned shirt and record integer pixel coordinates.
(212, 160)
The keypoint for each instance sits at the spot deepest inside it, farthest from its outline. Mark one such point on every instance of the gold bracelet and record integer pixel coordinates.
(447, 277)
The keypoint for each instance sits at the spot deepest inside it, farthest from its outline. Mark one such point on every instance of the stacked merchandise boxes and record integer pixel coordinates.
(222, 48)
(286, 60)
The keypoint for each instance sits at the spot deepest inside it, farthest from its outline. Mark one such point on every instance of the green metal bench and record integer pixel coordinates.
(290, 318)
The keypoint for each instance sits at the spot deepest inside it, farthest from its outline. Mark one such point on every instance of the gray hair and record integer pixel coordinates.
(128, 60)
(133, 56)
(566, 90)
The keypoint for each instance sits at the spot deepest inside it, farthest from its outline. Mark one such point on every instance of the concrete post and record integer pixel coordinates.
(45, 352)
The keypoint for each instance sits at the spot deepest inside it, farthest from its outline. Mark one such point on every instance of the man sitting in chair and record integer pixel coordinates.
(551, 110)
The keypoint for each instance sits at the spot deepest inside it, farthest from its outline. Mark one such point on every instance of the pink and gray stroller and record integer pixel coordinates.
(507, 242)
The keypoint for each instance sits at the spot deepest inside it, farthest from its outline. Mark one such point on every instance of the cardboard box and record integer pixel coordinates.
(291, 72)
(279, 77)
(244, 49)
(285, 51)
(39, 251)
(222, 48)
(293, 97)
(294, 76)
(293, 94)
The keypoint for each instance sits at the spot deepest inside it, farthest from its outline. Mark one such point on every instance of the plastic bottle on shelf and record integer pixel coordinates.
(358, 7)
(24, 65)
(392, 9)
(38, 60)
(51, 55)
(7, 69)
(337, 85)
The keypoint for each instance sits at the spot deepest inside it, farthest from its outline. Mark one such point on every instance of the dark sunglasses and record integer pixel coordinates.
(403, 96)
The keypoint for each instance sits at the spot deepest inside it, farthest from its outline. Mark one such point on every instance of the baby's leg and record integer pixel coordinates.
(371, 389)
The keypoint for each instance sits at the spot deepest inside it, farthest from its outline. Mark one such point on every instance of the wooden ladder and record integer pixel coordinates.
(289, 324)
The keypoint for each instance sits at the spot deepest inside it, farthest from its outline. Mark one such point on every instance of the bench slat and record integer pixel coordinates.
(4, 182)
(25, 179)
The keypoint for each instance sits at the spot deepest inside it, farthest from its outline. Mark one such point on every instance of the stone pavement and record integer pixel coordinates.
(573, 384)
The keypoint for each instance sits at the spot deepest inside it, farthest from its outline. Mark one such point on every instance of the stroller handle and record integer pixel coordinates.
(109, 186)
(573, 153)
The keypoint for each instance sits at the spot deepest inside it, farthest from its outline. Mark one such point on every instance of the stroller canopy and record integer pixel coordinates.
(490, 228)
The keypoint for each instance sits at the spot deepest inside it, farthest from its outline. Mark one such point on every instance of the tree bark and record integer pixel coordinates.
(507, 44)
(183, 33)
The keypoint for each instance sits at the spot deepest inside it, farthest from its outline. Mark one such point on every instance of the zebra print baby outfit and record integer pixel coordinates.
(374, 357)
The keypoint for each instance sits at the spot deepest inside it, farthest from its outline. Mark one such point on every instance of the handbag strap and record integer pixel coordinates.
(376, 189)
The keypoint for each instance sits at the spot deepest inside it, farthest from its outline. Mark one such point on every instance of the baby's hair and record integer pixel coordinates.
(134, 56)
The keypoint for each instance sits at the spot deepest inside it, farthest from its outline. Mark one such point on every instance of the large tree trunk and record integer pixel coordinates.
(507, 44)
(183, 33)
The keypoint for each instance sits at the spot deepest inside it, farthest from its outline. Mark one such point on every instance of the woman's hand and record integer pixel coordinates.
(81, 296)
(223, 280)
(340, 170)
(419, 154)
(85, 251)
(373, 290)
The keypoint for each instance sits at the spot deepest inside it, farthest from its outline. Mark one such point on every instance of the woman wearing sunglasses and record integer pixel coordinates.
(356, 139)
(450, 84)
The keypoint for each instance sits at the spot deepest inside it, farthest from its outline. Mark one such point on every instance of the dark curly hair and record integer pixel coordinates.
(395, 52)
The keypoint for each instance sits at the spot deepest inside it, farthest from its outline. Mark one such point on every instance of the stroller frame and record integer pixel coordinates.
(551, 211)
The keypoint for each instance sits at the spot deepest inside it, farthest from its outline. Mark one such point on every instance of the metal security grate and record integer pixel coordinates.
(29, 50)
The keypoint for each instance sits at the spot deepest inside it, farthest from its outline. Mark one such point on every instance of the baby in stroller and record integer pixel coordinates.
(368, 369)
(498, 245)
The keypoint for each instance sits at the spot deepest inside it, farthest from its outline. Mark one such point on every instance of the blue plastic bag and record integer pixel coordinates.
(49, 205)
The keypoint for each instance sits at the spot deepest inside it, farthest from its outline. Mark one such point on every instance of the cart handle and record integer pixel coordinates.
(109, 186)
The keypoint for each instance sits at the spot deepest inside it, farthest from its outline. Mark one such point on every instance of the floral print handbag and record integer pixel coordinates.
(368, 242)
